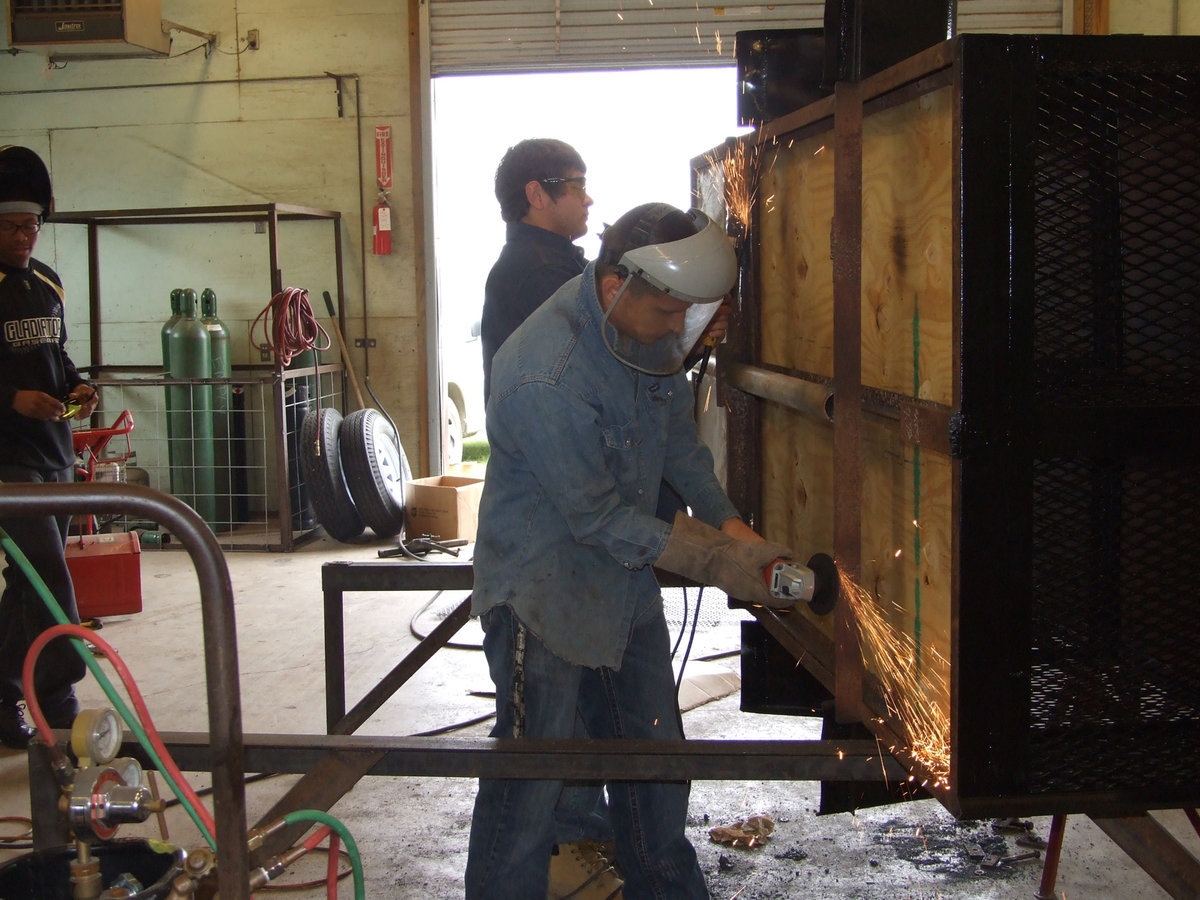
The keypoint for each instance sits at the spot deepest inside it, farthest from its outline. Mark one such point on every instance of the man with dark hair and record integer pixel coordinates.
(571, 610)
(542, 193)
(543, 197)
(40, 389)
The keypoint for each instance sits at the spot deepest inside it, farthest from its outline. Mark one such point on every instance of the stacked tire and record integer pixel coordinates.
(356, 471)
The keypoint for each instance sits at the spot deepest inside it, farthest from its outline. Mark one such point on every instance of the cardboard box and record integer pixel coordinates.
(107, 572)
(445, 506)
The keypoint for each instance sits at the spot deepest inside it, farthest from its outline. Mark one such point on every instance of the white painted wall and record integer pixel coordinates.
(234, 128)
(1154, 17)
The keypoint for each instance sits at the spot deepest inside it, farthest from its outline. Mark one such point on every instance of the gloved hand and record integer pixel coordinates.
(708, 555)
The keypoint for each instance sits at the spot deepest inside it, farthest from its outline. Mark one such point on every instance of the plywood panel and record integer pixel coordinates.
(907, 531)
(907, 257)
(796, 273)
(797, 480)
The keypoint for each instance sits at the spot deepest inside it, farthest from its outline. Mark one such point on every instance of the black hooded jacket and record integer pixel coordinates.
(33, 356)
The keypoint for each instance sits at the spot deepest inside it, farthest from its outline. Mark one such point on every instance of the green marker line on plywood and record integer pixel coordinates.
(916, 342)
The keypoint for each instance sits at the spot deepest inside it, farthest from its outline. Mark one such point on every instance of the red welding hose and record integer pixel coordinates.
(135, 696)
(289, 326)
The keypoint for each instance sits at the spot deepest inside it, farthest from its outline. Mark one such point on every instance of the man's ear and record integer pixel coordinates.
(609, 285)
(536, 194)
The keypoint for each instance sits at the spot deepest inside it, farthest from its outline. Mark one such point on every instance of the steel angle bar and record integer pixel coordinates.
(527, 758)
(1156, 851)
(404, 670)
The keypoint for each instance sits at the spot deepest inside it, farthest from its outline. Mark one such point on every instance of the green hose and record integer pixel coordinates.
(98, 673)
(324, 818)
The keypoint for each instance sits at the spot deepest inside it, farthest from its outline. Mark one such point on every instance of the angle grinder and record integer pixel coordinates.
(816, 584)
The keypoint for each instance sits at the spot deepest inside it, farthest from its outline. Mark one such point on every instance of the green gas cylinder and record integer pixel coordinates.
(221, 368)
(190, 415)
(165, 334)
(176, 306)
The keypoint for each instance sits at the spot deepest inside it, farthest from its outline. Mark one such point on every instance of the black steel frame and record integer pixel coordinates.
(991, 434)
(269, 214)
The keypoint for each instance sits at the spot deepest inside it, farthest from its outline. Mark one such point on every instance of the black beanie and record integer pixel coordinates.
(24, 182)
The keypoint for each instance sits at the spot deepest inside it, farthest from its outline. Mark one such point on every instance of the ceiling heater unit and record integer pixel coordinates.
(79, 29)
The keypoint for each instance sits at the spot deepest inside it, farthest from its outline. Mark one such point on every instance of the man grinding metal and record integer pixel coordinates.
(589, 412)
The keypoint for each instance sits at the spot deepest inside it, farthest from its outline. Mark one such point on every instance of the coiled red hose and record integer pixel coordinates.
(289, 326)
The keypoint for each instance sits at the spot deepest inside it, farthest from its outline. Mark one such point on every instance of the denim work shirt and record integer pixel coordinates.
(580, 444)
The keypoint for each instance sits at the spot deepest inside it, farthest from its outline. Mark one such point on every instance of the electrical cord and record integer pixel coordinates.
(289, 326)
(682, 626)
(698, 379)
(412, 623)
(691, 637)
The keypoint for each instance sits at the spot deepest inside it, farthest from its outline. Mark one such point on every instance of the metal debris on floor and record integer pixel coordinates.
(752, 832)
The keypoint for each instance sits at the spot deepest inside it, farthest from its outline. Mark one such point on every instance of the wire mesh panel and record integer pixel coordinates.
(1083, 394)
(1017, 219)
(217, 445)
(1117, 212)
(1115, 680)
(1115, 676)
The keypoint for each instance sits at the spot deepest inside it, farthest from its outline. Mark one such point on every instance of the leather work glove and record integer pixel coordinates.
(708, 555)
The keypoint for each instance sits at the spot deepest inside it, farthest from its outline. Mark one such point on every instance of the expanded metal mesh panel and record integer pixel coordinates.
(1117, 230)
(1115, 677)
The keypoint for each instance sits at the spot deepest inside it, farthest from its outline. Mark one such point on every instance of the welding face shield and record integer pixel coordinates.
(691, 267)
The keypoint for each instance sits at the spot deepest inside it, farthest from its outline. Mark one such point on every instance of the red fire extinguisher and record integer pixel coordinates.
(381, 224)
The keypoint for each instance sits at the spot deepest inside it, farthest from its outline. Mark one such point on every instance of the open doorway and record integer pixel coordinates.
(636, 130)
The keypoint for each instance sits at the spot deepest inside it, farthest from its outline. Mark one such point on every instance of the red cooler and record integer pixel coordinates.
(107, 572)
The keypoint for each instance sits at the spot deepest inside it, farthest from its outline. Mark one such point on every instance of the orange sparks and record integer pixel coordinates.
(918, 698)
(738, 167)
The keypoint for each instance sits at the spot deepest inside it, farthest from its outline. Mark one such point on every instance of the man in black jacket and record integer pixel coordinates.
(40, 389)
(543, 198)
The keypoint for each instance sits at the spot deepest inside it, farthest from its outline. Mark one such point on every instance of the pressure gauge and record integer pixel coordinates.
(129, 769)
(97, 735)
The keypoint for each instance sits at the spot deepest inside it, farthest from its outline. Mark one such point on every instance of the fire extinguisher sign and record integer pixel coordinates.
(383, 156)
(381, 225)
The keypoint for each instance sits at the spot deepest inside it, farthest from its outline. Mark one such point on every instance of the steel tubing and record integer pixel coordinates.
(226, 750)
(810, 398)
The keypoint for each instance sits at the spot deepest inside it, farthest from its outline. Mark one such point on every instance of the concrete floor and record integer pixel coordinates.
(412, 833)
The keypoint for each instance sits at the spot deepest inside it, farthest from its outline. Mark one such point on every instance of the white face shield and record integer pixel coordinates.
(699, 270)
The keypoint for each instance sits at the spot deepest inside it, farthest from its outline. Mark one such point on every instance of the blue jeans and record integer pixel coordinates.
(537, 694)
(23, 614)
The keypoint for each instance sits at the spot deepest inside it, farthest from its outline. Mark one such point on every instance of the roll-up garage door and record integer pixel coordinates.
(477, 36)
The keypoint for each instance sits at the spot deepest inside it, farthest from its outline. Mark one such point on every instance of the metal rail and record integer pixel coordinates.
(566, 758)
(224, 751)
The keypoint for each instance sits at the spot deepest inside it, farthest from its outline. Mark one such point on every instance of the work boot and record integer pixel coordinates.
(581, 871)
(61, 709)
(14, 733)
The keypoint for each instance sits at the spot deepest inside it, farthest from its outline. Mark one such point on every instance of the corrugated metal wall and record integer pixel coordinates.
(473, 36)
